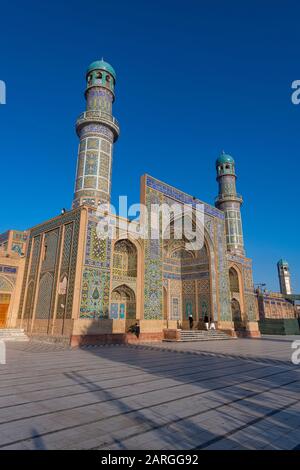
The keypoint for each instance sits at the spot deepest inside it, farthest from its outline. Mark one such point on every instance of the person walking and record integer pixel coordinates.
(191, 321)
(206, 322)
(137, 330)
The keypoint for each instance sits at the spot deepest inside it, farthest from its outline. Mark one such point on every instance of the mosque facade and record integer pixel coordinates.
(64, 280)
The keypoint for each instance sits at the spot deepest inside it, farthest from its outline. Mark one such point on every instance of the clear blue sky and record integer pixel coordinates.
(193, 77)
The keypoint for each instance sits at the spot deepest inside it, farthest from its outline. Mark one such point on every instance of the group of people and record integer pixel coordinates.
(209, 325)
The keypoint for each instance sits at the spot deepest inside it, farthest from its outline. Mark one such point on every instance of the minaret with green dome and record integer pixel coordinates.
(230, 203)
(97, 130)
(284, 277)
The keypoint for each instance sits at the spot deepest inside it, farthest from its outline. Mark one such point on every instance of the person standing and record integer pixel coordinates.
(137, 330)
(206, 322)
(191, 321)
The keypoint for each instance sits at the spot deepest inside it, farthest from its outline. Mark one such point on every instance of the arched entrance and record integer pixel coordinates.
(4, 306)
(123, 304)
(187, 273)
(236, 311)
(235, 292)
(124, 280)
(6, 289)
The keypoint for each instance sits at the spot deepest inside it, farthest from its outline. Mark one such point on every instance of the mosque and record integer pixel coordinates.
(60, 280)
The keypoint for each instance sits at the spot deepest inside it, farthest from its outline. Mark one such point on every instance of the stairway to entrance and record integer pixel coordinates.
(203, 335)
(13, 334)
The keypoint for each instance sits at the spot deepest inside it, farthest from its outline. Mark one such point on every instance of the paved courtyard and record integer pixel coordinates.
(238, 394)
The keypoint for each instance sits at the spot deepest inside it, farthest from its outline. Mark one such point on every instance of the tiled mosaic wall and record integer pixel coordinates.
(245, 266)
(93, 179)
(190, 272)
(19, 242)
(44, 274)
(223, 275)
(157, 192)
(47, 273)
(96, 274)
(153, 295)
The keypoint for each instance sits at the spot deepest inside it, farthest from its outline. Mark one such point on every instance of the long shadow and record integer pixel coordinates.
(232, 385)
(38, 441)
(178, 401)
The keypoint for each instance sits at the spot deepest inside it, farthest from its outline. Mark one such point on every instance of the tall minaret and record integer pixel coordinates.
(97, 130)
(230, 202)
(284, 277)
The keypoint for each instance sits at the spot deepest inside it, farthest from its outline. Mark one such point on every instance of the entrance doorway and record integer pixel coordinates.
(236, 314)
(4, 305)
(122, 303)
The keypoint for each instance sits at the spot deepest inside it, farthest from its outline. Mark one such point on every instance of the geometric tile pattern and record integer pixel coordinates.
(153, 298)
(95, 284)
(156, 266)
(64, 270)
(180, 196)
(94, 294)
(52, 230)
(44, 296)
(223, 276)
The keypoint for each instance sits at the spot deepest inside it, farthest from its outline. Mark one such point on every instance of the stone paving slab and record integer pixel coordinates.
(242, 394)
(267, 348)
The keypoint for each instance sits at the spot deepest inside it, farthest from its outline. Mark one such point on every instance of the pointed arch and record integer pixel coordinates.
(133, 274)
(124, 259)
(6, 285)
(44, 297)
(190, 268)
(234, 281)
(236, 286)
(123, 303)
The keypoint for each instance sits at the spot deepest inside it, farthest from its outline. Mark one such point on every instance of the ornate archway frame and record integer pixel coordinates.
(10, 285)
(215, 313)
(140, 272)
(241, 299)
(124, 287)
(9, 290)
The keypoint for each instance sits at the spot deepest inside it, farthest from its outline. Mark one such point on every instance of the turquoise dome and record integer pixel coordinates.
(282, 262)
(101, 65)
(224, 158)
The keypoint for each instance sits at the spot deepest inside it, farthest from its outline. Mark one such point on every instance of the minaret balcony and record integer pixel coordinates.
(227, 197)
(99, 117)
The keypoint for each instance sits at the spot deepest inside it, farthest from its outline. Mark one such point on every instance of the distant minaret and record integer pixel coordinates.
(284, 277)
(230, 203)
(97, 130)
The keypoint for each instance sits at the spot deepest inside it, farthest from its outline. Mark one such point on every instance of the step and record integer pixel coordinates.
(12, 330)
(198, 332)
(13, 334)
(14, 338)
(203, 335)
(204, 339)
